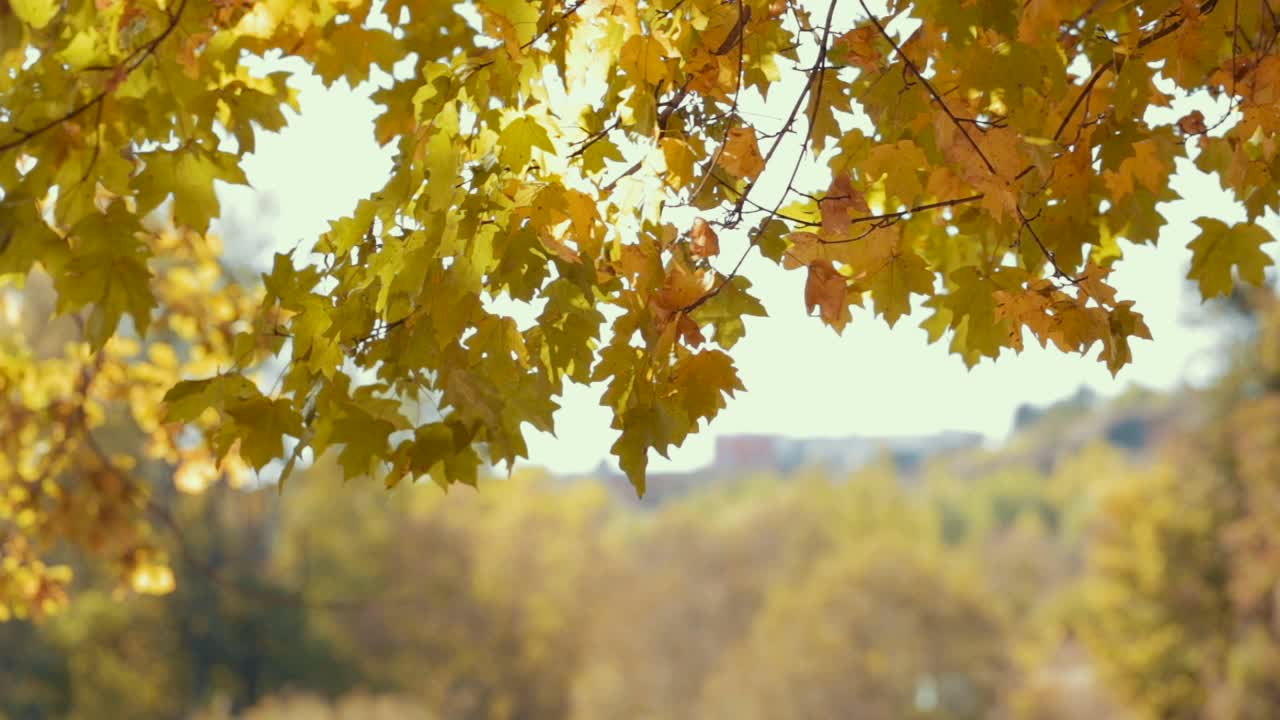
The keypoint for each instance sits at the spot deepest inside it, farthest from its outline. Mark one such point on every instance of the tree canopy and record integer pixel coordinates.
(575, 188)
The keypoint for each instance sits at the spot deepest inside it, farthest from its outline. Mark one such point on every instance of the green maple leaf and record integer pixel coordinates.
(109, 270)
(892, 285)
(519, 138)
(188, 174)
(128, 291)
(364, 444)
(643, 428)
(25, 239)
(970, 312)
(1218, 248)
(261, 424)
(185, 401)
(725, 311)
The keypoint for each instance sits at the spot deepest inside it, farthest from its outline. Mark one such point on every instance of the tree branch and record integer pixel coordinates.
(879, 220)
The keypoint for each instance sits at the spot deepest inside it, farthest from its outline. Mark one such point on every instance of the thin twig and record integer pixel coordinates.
(733, 109)
(774, 213)
(1205, 7)
(928, 86)
(795, 110)
(131, 63)
(563, 16)
(879, 220)
(595, 138)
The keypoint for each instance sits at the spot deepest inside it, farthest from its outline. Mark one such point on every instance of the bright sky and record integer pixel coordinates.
(801, 378)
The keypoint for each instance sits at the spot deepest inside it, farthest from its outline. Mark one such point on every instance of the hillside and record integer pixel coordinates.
(1041, 437)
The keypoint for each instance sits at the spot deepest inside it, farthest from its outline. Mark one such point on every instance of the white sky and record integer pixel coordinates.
(801, 378)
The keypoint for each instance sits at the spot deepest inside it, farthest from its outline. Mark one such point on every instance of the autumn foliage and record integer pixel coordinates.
(576, 186)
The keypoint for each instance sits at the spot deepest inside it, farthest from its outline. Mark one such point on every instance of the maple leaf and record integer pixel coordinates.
(1093, 283)
(838, 206)
(518, 139)
(641, 430)
(859, 47)
(969, 310)
(1026, 307)
(642, 58)
(1123, 324)
(1193, 123)
(188, 174)
(1220, 247)
(260, 426)
(1075, 327)
(186, 400)
(803, 249)
(681, 288)
(1039, 17)
(1145, 167)
(349, 51)
(898, 165)
(740, 155)
(689, 331)
(705, 242)
(892, 285)
(26, 239)
(826, 289)
(110, 272)
(702, 381)
(680, 160)
(726, 309)
(827, 96)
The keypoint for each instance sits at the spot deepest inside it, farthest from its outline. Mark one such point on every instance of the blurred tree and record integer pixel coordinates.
(301, 706)
(83, 449)
(35, 678)
(689, 582)
(882, 631)
(485, 616)
(1064, 684)
(682, 587)
(1156, 610)
(1180, 597)
(243, 633)
(123, 658)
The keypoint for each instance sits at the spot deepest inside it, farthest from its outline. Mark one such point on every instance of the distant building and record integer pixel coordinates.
(737, 456)
(1135, 423)
(838, 455)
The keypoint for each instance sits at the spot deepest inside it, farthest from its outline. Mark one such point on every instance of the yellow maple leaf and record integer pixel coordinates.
(680, 160)
(642, 59)
(1145, 166)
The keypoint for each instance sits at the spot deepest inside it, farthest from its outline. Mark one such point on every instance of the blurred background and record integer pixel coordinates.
(882, 536)
(1114, 557)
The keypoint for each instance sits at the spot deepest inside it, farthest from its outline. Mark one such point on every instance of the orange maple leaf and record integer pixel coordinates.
(838, 206)
(705, 242)
(826, 289)
(741, 156)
